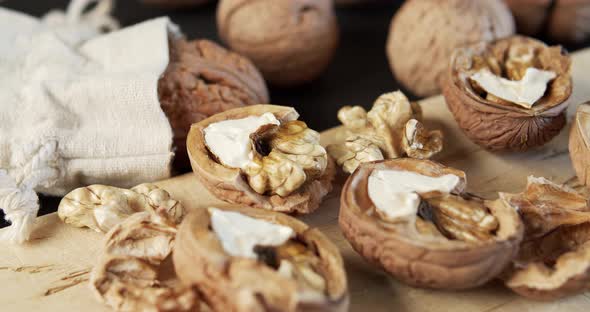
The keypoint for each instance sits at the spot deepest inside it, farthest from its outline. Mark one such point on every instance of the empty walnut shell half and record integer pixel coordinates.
(579, 143)
(554, 257)
(501, 125)
(203, 79)
(237, 283)
(457, 242)
(235, 185)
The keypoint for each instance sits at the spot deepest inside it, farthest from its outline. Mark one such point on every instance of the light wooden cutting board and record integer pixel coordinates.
(50, 273)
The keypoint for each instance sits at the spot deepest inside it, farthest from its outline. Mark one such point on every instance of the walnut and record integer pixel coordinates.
(129, 275)
(424, 229)
(388, 130)
(424, 33)
(278, 163)
(521, 120)
(285, 266)
(579, 143)
(101, 207)
(291, 43)
(203, 79)
(554, 257)
(560, 20)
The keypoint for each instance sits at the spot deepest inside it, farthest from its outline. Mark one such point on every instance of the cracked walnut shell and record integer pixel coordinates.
(203, 79)
(453, 242)
(424, 33)
(235, 283)
(289, 171)
(498, 124)
(579, 143)
(554, 257)
(391, 129)
(290, 41)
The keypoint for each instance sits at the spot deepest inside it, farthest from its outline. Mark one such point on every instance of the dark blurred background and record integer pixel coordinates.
(357, 76)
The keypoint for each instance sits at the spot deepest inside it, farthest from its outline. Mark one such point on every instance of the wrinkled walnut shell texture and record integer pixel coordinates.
(201, 262)
(498, 127)
(424, 33)
(229, 185)
(201, 80)
(290, 41)
(416, 259)
(578, 145)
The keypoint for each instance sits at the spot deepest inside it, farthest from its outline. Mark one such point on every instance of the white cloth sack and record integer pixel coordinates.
(78, 108)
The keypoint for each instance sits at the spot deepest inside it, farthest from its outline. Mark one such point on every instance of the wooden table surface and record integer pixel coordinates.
(50, 273)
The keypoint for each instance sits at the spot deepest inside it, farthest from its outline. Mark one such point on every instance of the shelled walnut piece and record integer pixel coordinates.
(391, 129)
(261, 156)
(554, 257)
(203, 79)
(101, 207)
(510, 94)
(273, 261)
(424, 229)
(132, 274)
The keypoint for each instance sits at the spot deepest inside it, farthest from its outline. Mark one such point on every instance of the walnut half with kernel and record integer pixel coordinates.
(263, 157)
(391, 129)
(424, 229)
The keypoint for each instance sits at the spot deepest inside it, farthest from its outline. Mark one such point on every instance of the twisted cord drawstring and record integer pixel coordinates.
(17, 194)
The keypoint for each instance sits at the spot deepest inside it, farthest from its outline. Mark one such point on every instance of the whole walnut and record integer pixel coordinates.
(561, 20)
(424, 33)
(203, 79)
(290, 41)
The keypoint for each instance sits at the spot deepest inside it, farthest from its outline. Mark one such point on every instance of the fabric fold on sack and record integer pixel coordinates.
(78, 107)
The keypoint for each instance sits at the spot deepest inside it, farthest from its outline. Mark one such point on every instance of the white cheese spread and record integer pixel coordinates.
(395, 193)
(239, 234)
(229, 140)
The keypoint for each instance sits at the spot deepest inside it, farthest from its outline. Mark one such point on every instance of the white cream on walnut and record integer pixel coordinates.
(239, 234)
(525, 92)
(395, 192)
(230, 142)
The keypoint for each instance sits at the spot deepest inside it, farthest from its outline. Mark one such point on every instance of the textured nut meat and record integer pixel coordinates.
(131, 274)
(579, 143)
(290, 41)
(413, 249)
(501, 125)
(424, 33)
(203, 79)
(555, 262)
(202, 262)
(231, 185)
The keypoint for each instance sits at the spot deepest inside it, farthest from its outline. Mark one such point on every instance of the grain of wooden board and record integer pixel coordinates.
(50, 273)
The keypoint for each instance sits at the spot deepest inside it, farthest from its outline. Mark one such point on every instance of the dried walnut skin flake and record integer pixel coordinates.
(201, 80)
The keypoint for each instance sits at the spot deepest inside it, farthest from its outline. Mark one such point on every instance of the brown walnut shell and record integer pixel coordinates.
(229, 185)
(556, 264)
(203, 79)
(417, 258)
(508, 127)
(579, 143)
(230, 283)
(424, 33)
(290, 41)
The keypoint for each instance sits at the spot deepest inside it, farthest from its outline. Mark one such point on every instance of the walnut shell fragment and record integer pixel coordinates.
(236, 283)
(203, 79)
(424, 33)
(579, 143)
(290, 41)
(453, 242)
(555, 262)
(391, 129)
(288, 172)
(101, 207)
(497, 124)
(131, 273)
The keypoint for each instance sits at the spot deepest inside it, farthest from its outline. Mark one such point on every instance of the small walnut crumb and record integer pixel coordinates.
(420, 143)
